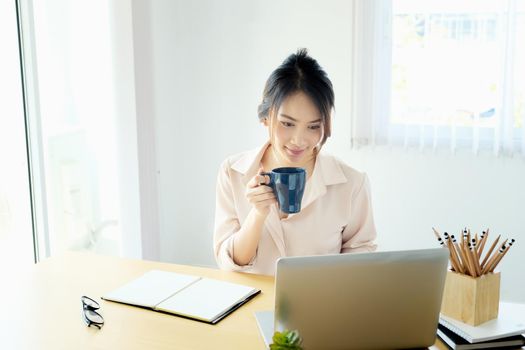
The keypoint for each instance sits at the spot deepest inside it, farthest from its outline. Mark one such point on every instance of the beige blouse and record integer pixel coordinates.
(335, 217)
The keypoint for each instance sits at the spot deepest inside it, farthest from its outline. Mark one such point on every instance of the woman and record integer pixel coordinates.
(336, 216)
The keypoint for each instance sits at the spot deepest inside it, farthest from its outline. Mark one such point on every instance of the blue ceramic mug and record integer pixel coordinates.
(288, 186)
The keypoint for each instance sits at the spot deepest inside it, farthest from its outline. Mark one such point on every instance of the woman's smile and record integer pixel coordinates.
(295, 153)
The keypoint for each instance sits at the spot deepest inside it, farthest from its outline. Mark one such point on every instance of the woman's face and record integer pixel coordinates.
(296, 130)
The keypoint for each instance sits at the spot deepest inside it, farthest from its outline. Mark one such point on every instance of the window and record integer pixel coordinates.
(79, 86)
(447, 72)
(444, 66)
(72, 120)
(16, 236)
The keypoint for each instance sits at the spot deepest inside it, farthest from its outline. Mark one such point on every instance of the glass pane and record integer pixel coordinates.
(16, 237)
(77, 120)
(447, 62)
(519, 81)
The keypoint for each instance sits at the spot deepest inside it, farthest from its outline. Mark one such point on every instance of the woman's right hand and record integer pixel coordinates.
(260, 195)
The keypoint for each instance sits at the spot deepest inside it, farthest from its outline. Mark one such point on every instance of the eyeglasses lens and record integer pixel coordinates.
(90, 303)
(93, 316)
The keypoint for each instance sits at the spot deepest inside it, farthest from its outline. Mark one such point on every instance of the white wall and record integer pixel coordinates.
(414, 191)
(125, 100)
(208, 62)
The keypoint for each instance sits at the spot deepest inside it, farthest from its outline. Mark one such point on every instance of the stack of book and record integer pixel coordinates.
(505, 332)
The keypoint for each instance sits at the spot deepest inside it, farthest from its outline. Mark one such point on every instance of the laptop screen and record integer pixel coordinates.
(362, 300)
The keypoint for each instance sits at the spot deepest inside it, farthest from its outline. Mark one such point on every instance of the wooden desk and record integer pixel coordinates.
(41, 309)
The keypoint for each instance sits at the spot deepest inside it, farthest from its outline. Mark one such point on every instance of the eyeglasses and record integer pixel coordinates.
(90, 316)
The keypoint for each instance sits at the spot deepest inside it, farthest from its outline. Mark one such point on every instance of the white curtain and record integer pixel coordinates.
(488, 78)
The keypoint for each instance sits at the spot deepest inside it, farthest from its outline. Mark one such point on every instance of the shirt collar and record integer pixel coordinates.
(327, 170)
(250, 162)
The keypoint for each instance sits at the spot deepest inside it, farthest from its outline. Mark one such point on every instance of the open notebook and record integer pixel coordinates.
(199, 298)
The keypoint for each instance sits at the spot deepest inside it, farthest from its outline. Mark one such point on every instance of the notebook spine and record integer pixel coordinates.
(456, 330)
(446, 339)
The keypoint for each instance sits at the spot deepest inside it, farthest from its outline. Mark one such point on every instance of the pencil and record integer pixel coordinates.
(490, 251)
(454, 257)
(502, 247)
(475, 257)
(495, 255)
(492, 260)
(472, 268)
(452, 248)
(502, 255)
(441, 243)
(465, 250)
(463, 256)
(452, 261)
(484, 237)
(464, 240)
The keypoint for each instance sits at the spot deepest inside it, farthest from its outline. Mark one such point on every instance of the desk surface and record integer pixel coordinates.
(42, 310)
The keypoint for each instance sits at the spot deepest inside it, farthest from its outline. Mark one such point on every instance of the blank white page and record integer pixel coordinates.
(151, 288)
(206, 299)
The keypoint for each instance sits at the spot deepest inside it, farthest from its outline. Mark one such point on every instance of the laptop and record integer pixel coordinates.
(379, 300)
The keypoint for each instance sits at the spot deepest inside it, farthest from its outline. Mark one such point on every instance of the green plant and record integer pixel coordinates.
(287, 340)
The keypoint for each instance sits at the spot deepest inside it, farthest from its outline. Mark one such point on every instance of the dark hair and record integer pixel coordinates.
(299, 73)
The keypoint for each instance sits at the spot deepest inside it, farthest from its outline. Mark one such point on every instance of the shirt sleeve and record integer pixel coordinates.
(360, 232)
(226, 223)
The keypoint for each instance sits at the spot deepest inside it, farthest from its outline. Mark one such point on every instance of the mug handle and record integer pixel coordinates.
(271, 176)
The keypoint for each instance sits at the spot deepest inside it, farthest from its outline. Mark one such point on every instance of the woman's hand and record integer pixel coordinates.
(260, 195)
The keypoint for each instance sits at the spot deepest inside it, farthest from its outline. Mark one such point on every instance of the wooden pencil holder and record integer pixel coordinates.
(471, 300)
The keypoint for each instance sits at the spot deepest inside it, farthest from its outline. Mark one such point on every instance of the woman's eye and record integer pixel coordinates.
(314, 127)
(286, 124)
